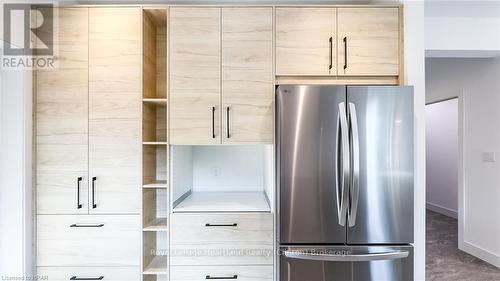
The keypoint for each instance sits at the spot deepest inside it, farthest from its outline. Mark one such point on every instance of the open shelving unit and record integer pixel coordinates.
(155, 154)
(221, 178)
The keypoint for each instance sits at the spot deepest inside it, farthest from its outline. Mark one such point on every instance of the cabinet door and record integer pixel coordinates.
(62, 121)
(303, 41)
(247, 75)
(115, 110)
(370, 37)
(195, 75)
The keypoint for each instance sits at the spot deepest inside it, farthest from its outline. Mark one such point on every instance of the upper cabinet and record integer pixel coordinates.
(247, 75)
(221, 75)
(368, 41)
(195, 68)
(342, 41)
(305, 41)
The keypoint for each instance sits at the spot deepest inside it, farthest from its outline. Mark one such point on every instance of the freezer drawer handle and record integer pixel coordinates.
(87, 225)
(86, 278)
(221, 277)
(227, 224)
(347, 258)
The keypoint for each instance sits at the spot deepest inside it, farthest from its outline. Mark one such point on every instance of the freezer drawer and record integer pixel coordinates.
(339, 263)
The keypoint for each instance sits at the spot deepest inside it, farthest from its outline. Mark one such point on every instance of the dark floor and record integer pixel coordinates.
(445, 261)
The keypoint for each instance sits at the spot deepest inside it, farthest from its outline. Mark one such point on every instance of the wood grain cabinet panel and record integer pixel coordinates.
(195, 75)
(115, 110)
(200, 273)
(222, 239)
(108, 273)
(88, 240)
(247, 75)
(62, 120)
(303, 41)
(372, 39)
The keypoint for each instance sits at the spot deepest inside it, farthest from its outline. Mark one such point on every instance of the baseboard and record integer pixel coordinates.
(480, 253)
(442, 210)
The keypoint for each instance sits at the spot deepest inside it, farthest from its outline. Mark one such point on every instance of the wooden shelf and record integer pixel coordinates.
(158, 224)
(157, 266)
(155, 101)
(156, 184)
(224, 202)
(155, 143)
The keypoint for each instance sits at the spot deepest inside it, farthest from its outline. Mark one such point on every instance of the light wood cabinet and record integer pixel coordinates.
(247, 75)
(88, 240)
(305, 41)
(62, 121)
(200, 273)
(91, 273)
(115, 102)
(370, 38)
(220, 74)
(227, 235)
(195, 75)
(88, 115)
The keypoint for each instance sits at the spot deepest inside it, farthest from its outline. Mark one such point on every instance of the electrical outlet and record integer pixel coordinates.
(215, 172)
(489, 157)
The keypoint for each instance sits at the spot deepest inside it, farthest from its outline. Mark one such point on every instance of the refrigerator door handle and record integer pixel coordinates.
(354, 180)
(342, 178)
(346, 258)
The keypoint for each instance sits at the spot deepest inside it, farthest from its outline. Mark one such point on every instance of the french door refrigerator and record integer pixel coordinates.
(345, 177)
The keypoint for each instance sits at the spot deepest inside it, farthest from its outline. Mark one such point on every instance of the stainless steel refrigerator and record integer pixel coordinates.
(345, 177)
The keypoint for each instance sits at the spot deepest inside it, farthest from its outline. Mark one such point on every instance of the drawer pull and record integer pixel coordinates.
(86, 278)
(221, 277)
(86, 225)
(228, 224)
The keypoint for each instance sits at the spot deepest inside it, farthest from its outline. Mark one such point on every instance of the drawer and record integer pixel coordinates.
(222, 239)
(239, 273)
(88, 240)
(89, 273)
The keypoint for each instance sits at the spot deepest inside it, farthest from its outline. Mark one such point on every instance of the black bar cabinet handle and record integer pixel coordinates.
(213, 122)
(87, 225)
(221, 277)
(331, 55)
(86, 278)
(94, 205)
(227, 117)
(227, 224)
(345, 53)
(78, 205)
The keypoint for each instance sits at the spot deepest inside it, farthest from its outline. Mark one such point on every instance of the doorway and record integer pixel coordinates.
(444, 191)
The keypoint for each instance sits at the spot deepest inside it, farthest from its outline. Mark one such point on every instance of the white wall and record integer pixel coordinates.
(462, 28)
(229, 168)
(415, 75)
(442, 157)
(479, 81)
(15, 173)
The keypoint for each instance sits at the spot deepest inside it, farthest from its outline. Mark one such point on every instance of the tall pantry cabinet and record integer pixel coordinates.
(88, 148)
